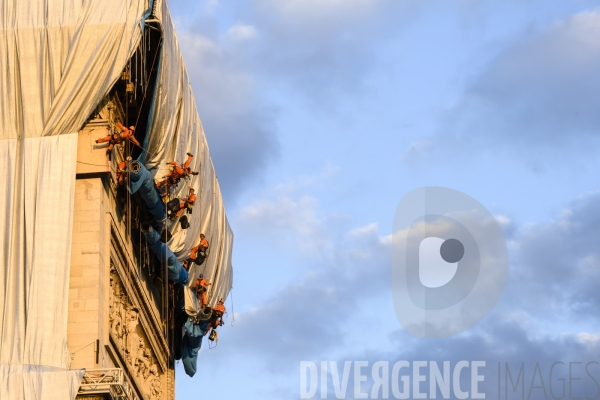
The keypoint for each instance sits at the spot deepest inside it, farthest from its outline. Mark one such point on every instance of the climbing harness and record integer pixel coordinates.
(213, 337)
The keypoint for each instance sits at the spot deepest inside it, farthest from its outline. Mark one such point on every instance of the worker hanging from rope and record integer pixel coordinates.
(176, 207)
(216, 319)
(122, 171)
(188, 203)
(176, 173)
(186, 165)
(198, 254)
(201, 285)
(117, 138)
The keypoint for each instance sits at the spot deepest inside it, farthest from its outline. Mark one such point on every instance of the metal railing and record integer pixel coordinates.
(109, 381)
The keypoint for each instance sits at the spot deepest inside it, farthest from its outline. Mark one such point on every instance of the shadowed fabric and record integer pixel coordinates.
(176, 272)
(58, 59)
(191, 344)
(175, 130)
(142, 181)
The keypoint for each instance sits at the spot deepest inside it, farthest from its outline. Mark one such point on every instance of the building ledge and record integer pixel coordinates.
(107, 383)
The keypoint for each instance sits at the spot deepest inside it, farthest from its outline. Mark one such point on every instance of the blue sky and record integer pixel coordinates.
(321, 114)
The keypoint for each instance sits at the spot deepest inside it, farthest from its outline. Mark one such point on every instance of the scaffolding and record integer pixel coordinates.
(107, 381)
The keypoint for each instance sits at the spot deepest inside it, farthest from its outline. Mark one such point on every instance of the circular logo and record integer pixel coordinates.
(449, 262)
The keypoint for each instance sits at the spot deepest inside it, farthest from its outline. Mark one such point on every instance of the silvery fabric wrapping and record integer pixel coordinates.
(38, 382)
(37, 204)
(175, 130)
(58, 59)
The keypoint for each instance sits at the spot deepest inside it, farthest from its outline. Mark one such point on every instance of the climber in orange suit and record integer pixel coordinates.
(176, 172)
(201, 285)
(202, 247)
(187, 203)
(217, 315)
(186, 165)
(122, 170)
(116, 138)
(197, 254)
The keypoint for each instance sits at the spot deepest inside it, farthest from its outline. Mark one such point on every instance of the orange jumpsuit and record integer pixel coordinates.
(121, 170)
(125, 134)
(188, 203)
(201, 285)
(173, 177)
(202, 247)
(177, 171)
(194, 253)
(219, 311)
(220, 308)
(186, 165)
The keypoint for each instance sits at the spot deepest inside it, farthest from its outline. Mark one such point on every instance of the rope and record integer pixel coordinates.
(176, 221)
(169, 296)
(143, 98)
(140, 267)
(145, 149)
(216, 341)
(148, 82)
(96, 165)
(232, 312)
(126, 150)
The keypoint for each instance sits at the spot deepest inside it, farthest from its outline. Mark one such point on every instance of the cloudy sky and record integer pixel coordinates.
(322, 114)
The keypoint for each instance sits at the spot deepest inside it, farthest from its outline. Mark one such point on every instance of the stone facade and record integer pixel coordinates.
(117, 316)
(131, 340)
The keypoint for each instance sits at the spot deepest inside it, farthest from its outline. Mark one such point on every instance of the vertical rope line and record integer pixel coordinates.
(232, 311)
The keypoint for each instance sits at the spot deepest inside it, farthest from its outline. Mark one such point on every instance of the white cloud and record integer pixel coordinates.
(288, 222)
(369, 229)
(241, 32)
(536, 100)
(211, 6)
(588, 339)
(503, 220)
(324, 49)
(239, 128)
(306, 318)
(545, 88)
(307, 182)
(561, 274)
(386, 240)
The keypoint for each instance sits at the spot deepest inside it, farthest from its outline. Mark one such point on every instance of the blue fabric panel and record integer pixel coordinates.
(143, 181)
(177, 273)
(191, 344)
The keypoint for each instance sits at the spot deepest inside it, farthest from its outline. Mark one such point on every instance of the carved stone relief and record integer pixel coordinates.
(131, 340)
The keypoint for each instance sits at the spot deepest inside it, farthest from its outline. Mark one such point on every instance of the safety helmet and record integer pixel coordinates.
(132, 128)
(171, 168)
